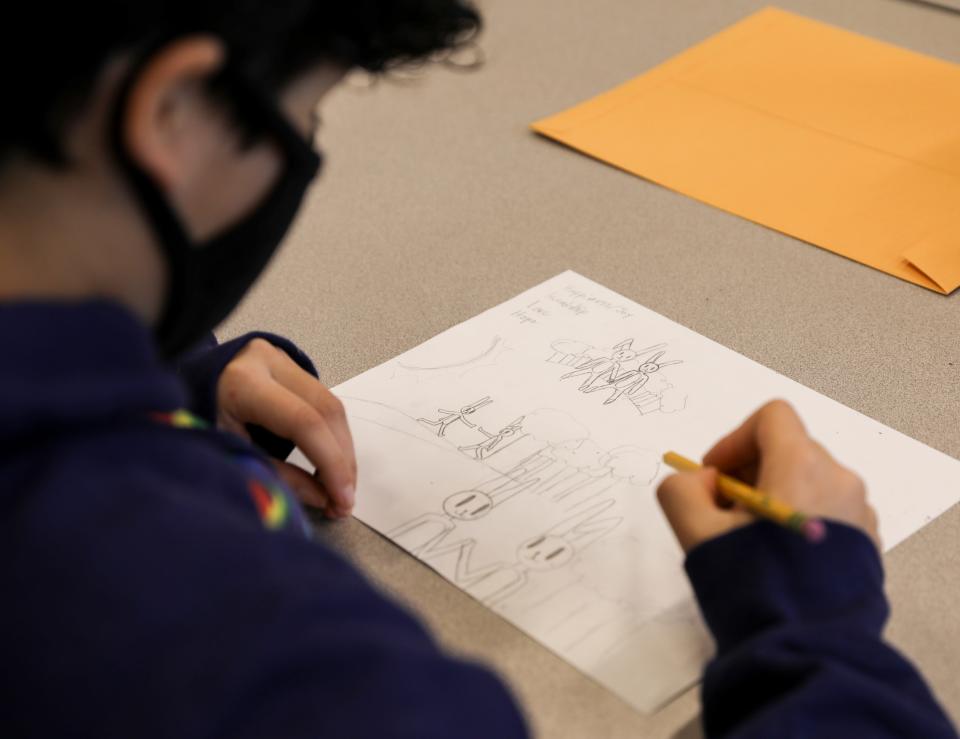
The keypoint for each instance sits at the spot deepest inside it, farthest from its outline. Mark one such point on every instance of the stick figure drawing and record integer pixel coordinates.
(622, 372)
(493, 442)
(425, 533)
(448, 418)
(548, 550)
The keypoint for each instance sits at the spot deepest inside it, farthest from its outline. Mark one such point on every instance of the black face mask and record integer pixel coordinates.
(206, 280)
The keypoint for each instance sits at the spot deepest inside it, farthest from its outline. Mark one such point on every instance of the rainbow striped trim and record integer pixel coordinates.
(181, 419)
(276, 508)
(272, 504)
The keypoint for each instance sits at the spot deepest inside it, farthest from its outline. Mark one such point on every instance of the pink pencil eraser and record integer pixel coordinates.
(814, 530)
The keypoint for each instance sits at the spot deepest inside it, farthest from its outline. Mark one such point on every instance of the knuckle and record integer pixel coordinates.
(337, 407)
(777, 406)
(329, 404)
(236, 373)
(307, 420)
(664, 491)
(669, 489)
(850, 484)
(260, 347)
(807, 454)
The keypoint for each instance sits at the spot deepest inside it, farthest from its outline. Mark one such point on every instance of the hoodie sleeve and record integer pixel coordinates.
(200, 369)
(799, 646)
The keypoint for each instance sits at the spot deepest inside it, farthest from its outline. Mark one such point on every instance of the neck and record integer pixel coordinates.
(65, 236)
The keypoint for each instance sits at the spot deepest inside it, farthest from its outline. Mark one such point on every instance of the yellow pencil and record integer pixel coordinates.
(755, 501)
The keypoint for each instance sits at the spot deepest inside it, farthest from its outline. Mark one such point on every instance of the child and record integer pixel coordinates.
(158, 577)
(158, 580)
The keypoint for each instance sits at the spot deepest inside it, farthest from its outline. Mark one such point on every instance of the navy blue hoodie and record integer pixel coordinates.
(157, 581)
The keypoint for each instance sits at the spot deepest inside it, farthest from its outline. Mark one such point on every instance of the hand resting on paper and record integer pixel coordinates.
(264, 386)
(773, 452)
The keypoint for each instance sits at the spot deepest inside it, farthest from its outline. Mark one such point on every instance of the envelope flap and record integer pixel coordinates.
(938, 257)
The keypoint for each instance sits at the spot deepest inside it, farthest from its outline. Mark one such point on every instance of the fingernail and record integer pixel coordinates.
(349, 495)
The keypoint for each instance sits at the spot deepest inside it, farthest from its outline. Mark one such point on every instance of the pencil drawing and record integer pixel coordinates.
(608, 369)
(494, 442)
(495, 343)
(529, 483)
(422, 535)
(448, 418)
(621, 372)
(547, 550)
(559, 492)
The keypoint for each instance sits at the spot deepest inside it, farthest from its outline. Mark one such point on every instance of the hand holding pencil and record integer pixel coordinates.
(772, 452)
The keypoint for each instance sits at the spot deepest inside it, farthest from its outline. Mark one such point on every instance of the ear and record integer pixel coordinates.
(166, 95)
(626, 344)
(654, 358)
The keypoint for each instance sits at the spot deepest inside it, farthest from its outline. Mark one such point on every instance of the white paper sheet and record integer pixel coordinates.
(517, 455)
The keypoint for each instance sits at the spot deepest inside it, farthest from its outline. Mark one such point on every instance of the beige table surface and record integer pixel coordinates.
(438, 203)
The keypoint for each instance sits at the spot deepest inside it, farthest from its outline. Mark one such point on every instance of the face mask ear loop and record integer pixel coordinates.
(168, 232)
(206, 280)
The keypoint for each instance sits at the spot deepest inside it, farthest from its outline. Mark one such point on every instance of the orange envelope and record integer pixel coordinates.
(833, 138)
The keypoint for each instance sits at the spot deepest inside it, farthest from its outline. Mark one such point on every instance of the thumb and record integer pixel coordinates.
(690, 501)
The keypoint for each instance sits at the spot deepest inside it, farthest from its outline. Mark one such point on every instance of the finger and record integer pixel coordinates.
(772, 424)
(747, 473)
(226, 422)
(689, 501)
(280, 411)
(307, 489)
(873, 528)
(300, 382)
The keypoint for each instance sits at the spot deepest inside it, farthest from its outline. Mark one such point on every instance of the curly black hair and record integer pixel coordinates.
(53, 53)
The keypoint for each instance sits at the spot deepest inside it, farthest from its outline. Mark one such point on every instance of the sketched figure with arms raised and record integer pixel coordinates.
(608, 369)
(631, 382)
(448, 418)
